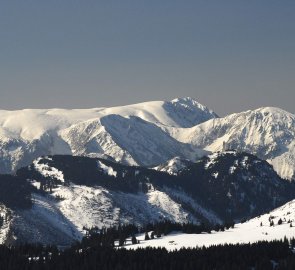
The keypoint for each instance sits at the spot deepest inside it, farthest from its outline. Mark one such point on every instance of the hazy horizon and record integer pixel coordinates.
(228, 55)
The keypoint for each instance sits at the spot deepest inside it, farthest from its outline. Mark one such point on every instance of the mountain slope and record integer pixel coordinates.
(253, 230)
(70, 192)
(267, 132)
(29, 134)
(128, 140)
(174, 166)
(234, 185)
(139, 194)
(187, 112)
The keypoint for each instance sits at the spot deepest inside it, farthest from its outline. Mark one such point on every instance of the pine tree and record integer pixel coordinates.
(133, 240)
(146, 236)
(121, 240)
(280, 221)
(153, 235)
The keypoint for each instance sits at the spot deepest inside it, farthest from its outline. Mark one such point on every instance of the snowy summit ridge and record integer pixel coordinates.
(147, 134)
(267, 132)
(30, 133)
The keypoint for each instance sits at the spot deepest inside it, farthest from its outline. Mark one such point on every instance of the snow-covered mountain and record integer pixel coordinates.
(147, 134)
(56, 196)
(267, 132)
(69, 193)
(220, 179)
(128, 140)
(236, 184)
(129, 134)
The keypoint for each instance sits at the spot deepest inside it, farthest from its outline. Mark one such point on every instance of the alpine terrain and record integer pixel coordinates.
(56, 197)
(129, 134)
(64, 171)
(267, 132)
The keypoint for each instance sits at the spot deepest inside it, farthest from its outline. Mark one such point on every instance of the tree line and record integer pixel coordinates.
(119, 234)
(262, 255)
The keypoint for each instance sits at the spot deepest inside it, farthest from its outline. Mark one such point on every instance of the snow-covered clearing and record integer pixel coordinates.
(48, 171)
(254, 230)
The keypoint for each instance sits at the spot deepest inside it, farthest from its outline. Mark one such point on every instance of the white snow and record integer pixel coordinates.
(4, 212)
(47, 211)
(244, 162)
(248, 232)
(215, 175)
(172, 209)
(212, 160)
(28, 134)
(266, 132)
(86, 206)
(30, 124)
(48, 171)
(167, 131)
(232, 169)
(90, 138)
(173, 166)
(180, 195)
(108, 170)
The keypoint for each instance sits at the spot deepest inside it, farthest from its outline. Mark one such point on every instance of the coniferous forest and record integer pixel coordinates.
(104, 249)
(262, 255)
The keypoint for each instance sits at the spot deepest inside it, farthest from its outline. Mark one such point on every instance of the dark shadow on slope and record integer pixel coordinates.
(147, 143)
(186, 114)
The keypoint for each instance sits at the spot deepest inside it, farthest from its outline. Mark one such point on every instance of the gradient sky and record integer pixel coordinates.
(229, 55)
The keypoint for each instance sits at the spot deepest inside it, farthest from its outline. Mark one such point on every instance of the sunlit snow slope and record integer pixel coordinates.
(267, 132)
(129, 134)
(254, 230)
(148, 134)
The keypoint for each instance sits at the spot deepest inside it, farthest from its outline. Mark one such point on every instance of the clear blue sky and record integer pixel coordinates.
(229, 55)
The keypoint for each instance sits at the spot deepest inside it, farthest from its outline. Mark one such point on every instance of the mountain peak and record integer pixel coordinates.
(187, 112)
(190, 102)
(184, 99)
(267, 132)
(275, 111)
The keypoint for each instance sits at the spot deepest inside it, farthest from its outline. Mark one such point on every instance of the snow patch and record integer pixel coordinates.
(232, 169)
(215, 175)
(173, 166)
(48, 171)
(107, 170)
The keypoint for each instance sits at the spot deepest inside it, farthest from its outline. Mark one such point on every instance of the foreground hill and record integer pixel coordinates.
(66, 193)
(275, 225)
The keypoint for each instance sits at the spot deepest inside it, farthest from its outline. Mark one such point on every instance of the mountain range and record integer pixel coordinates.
(176, 160)
(267, 132)
(56, 197)
(129, 134)
(147, 134)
